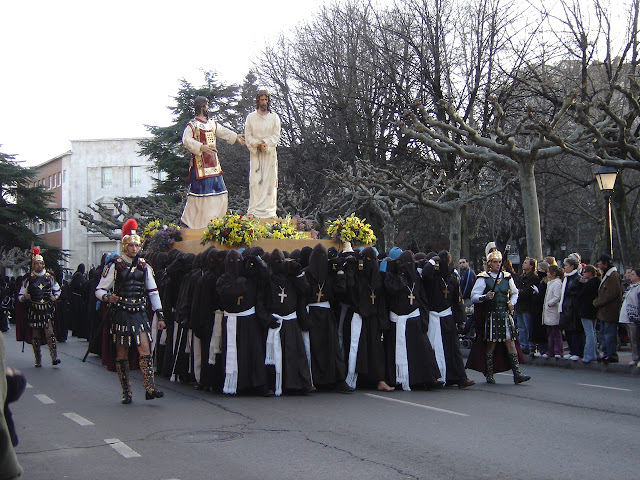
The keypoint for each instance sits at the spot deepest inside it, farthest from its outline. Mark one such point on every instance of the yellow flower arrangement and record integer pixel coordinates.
(159, 235)
(351, 229)
(154, 225)
(233, 229)
(283, 229)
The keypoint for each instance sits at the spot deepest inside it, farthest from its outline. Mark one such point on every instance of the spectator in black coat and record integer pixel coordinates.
(587, 312)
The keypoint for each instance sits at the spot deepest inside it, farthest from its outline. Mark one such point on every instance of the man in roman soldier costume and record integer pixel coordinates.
(207, 196)
(41, 290)
(495, 295)
(126, 285)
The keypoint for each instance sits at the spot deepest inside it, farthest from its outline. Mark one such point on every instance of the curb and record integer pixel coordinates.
(620, 368)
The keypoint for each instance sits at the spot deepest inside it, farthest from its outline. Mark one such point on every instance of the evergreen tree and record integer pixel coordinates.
(20, 204)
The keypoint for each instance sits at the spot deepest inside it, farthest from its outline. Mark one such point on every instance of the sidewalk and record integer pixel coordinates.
(622, 367)
(624, 357)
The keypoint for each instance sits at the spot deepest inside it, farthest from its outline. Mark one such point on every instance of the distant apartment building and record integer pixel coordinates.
(92, 171)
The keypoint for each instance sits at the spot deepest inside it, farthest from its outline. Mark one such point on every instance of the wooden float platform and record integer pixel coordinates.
(191, 238)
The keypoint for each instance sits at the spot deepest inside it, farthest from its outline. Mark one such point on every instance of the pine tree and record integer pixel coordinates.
(20, 204)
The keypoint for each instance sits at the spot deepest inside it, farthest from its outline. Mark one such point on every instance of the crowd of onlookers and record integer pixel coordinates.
(593, 308)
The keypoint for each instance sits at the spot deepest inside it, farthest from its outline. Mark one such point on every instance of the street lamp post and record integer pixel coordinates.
(606, 178)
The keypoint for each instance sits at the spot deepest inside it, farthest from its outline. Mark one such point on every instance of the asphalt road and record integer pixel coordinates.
(563, 424)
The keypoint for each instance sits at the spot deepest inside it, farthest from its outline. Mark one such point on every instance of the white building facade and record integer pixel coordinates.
(95, 171)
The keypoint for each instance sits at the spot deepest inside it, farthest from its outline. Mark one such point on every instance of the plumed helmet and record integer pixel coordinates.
(129, 234)
(35, 256)
(489, 248)
(493, 255)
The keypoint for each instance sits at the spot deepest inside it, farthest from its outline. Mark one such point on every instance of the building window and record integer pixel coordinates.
(162, 175)
(135, 176)
(106, 177)
(59, 178)
(56, 225)
(53, 181)
(38, 227)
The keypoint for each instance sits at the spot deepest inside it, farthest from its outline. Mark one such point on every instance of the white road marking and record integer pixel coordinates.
(44, 399)
(504, 373)
(121, 448)
(416, 405)
(77, 418)
(29, 385)
(608, 388)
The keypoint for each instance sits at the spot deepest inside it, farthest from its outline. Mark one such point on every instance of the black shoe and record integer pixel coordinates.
(126, 399)
(198, 386)
(57, 361)
(267, 392)
(344, 388)
(154, 394)
(526, 351)
(521, 378)
(466, 383)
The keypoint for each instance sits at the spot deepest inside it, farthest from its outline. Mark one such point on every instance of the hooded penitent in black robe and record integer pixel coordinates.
(286, 298)
(239, 294)
(182, 367)
(177, 268)
(442, 289)
(366, 299)
(205, 303)
(405, 295)
(323, 284)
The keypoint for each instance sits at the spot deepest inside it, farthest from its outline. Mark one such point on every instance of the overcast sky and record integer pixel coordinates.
(76, 70)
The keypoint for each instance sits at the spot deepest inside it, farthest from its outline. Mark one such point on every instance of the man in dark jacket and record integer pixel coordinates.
(525, 284)
(608, 302)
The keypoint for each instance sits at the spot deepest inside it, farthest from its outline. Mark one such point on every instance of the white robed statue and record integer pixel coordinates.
(262, 134)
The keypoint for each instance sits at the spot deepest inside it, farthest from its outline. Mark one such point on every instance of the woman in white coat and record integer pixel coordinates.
(551, 313)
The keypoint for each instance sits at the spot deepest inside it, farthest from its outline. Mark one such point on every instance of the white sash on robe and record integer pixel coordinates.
(356, 329)
(435, 338)
(274, 349)
(215, 346)
(307, 340)
(231, 365)
(402, 361)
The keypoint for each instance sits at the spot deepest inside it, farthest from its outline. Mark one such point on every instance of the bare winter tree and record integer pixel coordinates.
(107, 219)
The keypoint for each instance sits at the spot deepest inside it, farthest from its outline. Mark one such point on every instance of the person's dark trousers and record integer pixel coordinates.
(609, 339)
(576, 341)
